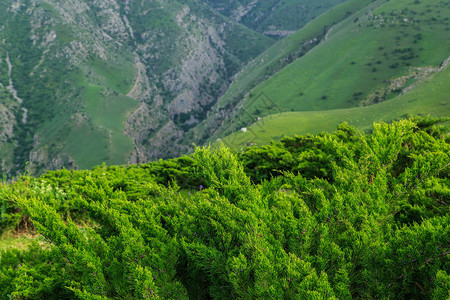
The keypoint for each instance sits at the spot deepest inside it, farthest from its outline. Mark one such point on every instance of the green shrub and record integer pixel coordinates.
(336, 216)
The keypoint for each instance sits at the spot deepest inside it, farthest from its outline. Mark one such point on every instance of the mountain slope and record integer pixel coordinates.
(429, 97)
(369, 57)
(273, 17)
(274, 59)
(87, 82)
(387, 42)
(112, 81)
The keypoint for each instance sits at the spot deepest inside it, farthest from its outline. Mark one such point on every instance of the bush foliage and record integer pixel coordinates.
(330, 216)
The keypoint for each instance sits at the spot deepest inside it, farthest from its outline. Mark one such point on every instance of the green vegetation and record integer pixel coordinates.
(118, 75)
(273, 14)
(427, 98)
(331, 216)
(109, 112)
(365, 56)
(286, 50)
(73, 63)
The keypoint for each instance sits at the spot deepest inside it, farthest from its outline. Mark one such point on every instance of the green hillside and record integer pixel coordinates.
(286, 50)
(369, 57)
(429, 97)
(273, 15)
(52, 86)
(332, 216)
(360, 54)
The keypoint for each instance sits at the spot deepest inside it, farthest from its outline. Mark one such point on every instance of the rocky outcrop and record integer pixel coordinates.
(141, 83)
(400, 85)
(10, 87)
(187, 90)
(242, 11)
(7, 123)
(44, 158)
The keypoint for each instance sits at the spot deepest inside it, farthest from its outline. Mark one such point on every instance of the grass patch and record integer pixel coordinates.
(87, 145)
(96, 135)
(20, 242)
(117, 75)
(109, 111)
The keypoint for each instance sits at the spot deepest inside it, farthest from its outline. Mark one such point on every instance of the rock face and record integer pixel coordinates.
(109, 80)
(7, 123)
(201, 65)
(174, 99)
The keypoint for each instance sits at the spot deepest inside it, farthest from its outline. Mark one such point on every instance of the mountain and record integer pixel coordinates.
(86, 82)
(345, 59)
(100, 81)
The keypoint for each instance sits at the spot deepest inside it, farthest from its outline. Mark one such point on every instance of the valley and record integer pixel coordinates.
(103, 80)
(86, 83)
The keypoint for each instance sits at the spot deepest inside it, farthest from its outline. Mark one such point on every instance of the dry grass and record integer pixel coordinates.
(20, 241)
